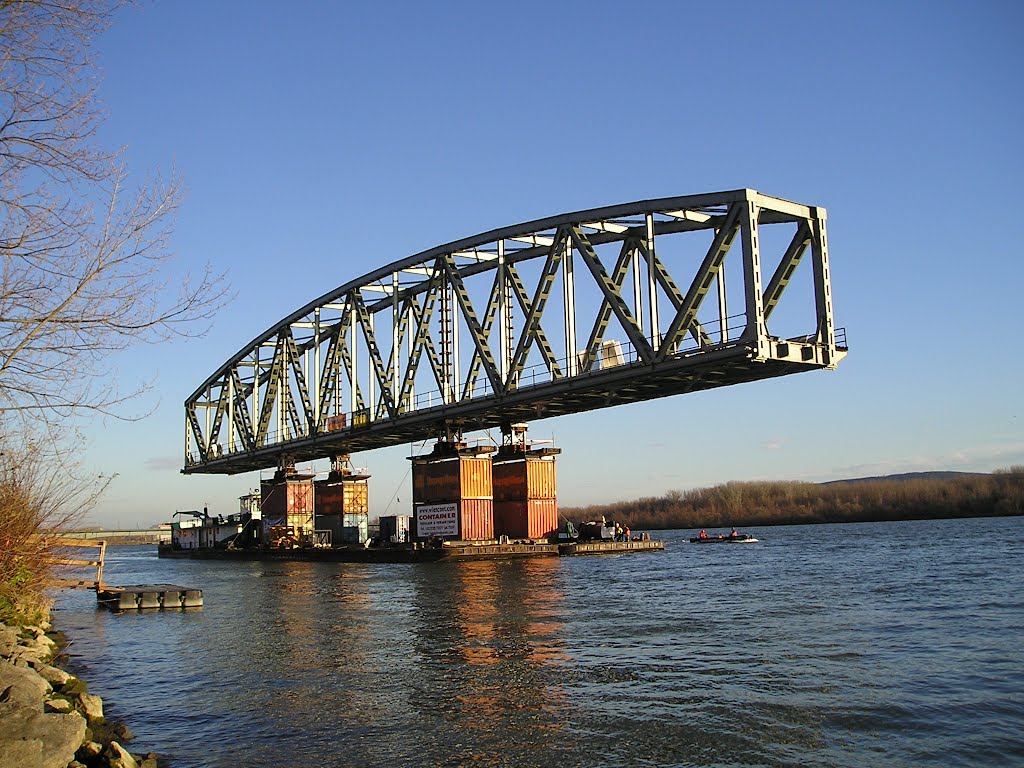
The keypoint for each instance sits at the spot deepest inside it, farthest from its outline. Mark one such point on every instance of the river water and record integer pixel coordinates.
(893, 644)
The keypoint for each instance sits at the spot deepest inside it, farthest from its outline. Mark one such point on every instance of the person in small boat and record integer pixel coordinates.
(703, 534)
(733, 534)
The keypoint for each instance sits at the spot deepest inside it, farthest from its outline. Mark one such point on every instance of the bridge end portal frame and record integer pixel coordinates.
(561, 315)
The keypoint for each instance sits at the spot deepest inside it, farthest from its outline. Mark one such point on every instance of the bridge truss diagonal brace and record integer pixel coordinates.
(421, 340)
(496, 297)
(482, 350)
(687, 311)
(373, 351)
(197, 432)
(604, 314)
(784, 271)
(240, 411)
(331, 371)
(536, 333)
(295, 362)
(540, 297)
(612, 298)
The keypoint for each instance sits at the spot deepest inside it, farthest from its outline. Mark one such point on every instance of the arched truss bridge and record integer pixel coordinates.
(566, 314)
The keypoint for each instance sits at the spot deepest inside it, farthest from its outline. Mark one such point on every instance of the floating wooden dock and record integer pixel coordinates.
(167, 597)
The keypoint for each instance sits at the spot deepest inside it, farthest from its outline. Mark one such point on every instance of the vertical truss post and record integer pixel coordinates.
(757, 331)
(569, 307)
(446, 344)
(314, 380)
(454, 310)
(504, 299)
(652, 286)
(231, 413)
(371, 344)
(823, 287)
(723, 309)
(353, 350)
(278, 373)
(396, 340)
(209, 437)
(255, 407)
(638, 294)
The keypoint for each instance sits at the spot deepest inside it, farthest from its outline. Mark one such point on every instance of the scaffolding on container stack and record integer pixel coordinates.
(341, 502)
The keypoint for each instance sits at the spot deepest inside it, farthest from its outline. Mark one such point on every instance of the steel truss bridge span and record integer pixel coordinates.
(566, 314)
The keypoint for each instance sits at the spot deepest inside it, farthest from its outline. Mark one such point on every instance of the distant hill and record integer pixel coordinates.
(944, 475)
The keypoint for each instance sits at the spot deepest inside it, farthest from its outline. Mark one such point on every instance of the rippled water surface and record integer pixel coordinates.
(897, 644)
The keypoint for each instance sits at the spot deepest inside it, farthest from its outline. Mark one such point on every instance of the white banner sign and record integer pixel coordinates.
(437, 520)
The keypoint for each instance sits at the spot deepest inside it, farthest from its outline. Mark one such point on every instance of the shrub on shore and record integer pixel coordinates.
(23, 552)
(41, 495)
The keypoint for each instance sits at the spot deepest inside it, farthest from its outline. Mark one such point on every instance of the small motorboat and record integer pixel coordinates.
(739, 538)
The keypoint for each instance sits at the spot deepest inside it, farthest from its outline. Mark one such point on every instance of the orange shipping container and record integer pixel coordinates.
(476, 519)
(436, 482)
(526, 519)
(524, 479)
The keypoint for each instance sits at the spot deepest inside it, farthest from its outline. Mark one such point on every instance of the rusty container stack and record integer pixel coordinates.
(452, 493)
(287, 507)
(525, 487)
(342, 502)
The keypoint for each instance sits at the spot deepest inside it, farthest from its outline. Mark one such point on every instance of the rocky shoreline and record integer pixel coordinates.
(48, 719)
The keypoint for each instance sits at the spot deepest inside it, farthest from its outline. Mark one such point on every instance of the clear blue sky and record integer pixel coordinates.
(321, 140)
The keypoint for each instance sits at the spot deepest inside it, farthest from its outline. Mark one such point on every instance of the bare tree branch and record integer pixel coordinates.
(86, 263)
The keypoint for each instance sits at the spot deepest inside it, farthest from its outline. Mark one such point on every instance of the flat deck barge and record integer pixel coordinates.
(450, 550)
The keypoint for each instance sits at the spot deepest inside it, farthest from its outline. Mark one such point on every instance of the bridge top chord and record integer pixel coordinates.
(570, 313)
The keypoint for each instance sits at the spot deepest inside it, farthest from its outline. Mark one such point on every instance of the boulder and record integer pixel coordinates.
(20, 753)
(92, 707)
(59, 736)
(119, 757)
(8, 640)
(25, 656)
(45, 646)
(57, 705)
(89, 751)
(54, 676)
(21, 685)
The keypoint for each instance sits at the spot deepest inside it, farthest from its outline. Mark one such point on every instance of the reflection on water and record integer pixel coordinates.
(885, 645)
(489, 640)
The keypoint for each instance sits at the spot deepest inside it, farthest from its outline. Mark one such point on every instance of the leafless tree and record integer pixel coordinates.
(86, 260)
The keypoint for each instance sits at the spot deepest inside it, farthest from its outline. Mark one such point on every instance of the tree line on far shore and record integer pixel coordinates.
(793, 503)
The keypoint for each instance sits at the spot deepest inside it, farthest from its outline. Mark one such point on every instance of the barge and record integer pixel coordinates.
(418, 553)
(245, 537)
(467, 505)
